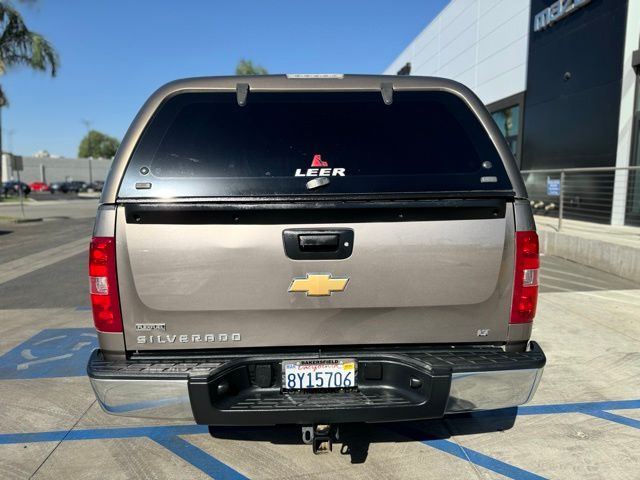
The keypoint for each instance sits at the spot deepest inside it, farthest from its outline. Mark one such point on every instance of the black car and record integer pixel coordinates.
(79, 186)
(59, 187)
(66, 187)
(12, 188)
(95, 186)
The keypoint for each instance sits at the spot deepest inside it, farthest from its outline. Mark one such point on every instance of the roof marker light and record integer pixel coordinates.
(315, 75)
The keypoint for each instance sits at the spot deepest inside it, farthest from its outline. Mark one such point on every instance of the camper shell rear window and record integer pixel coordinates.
(203, 144)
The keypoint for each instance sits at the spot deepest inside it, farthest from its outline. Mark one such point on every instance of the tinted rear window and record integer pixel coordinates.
(205, 144)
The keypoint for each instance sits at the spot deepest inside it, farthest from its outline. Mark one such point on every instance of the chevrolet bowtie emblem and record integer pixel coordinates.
(318, 284)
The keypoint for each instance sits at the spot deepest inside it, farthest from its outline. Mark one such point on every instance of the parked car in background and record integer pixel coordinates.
(13, 188)
(79, 185)
(59, 187)
(95, 186)
(73, 186)
(39, 187)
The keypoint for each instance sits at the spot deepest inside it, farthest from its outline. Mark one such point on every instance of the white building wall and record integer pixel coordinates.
(480, 43)
(625, 123)
(56, 169)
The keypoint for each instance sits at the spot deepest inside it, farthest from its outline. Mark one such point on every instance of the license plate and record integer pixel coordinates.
(317, 374)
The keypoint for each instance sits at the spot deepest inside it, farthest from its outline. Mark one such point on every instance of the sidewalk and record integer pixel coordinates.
(613, 249)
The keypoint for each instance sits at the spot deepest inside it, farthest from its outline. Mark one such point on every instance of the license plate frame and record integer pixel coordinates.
(319, 374)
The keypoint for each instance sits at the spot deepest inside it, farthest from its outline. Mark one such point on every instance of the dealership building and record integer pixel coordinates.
(561, 79)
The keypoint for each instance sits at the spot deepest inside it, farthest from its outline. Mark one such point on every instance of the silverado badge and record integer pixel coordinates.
(318, 284)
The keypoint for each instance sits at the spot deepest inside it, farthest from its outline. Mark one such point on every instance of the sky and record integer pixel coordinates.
(114, 54)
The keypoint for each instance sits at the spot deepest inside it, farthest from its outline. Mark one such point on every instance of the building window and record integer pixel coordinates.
(508, 121)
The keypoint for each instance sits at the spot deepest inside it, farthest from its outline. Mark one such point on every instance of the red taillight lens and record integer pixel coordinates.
(103, 285)
(525, 286)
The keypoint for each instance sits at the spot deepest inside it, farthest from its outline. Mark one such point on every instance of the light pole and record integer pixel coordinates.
(10, 135)
(87, 123)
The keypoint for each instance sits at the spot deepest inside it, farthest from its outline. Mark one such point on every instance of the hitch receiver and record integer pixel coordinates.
(319, 437)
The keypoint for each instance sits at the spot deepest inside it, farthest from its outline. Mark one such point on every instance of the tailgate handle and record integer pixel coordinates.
(318, 243)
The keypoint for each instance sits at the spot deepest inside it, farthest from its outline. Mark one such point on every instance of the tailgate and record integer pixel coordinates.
(212, 284)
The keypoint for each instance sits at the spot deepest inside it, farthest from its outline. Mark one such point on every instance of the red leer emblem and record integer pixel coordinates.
(318, 162)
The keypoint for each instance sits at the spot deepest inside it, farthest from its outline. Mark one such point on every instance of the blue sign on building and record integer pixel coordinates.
(553, 187)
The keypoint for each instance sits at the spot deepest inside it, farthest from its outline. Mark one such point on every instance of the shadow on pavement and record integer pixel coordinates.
(354, 439)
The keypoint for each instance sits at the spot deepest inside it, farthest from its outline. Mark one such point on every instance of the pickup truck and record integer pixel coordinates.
(313, 250)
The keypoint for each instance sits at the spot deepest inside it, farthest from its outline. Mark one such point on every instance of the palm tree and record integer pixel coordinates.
(20, 46)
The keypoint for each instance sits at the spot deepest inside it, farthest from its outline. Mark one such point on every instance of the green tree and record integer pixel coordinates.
(97, 145)
(19, 46)
(246, 67)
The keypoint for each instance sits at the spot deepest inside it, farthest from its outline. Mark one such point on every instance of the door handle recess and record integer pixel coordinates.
(318, 244)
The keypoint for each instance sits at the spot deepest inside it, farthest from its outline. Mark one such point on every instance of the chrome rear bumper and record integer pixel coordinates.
(473, 391)
(164, 399)
(161, 390)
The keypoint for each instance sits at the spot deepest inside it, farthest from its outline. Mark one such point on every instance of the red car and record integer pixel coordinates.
(39, 187)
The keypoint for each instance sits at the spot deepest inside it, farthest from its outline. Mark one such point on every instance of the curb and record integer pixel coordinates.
(620, 260)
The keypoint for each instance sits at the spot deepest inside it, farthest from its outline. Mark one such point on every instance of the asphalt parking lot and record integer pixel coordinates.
(48, 196)
(583, 423)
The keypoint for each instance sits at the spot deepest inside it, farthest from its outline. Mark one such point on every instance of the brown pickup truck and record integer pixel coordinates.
(313, 250)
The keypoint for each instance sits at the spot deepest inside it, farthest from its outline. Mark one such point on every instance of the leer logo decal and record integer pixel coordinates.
(318, 284)
(319, 168)
(318, 162)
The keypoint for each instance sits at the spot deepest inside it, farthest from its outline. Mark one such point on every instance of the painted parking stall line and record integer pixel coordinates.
(170, 438)
(482, 460)
(166, 436)
(197, 457)
(594, 409)
(30, 263)
(580, 407)
(464, 453)
(63, 353)
(614, 417)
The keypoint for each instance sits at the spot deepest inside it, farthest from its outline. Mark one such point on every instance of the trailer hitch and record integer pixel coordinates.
(319, 437)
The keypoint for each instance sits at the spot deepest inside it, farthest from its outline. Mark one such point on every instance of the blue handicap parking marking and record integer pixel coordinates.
(54, 352)
(169, 436)
(198, 458)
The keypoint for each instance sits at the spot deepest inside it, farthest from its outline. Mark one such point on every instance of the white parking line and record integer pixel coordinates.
(21, 266)
(629, 293)
(574, 282)
(544, 269)
(610, 296)
(557, 289)
(25, 365)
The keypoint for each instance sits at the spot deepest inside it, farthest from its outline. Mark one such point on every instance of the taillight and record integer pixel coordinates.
(103, 285)
(525, 286)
